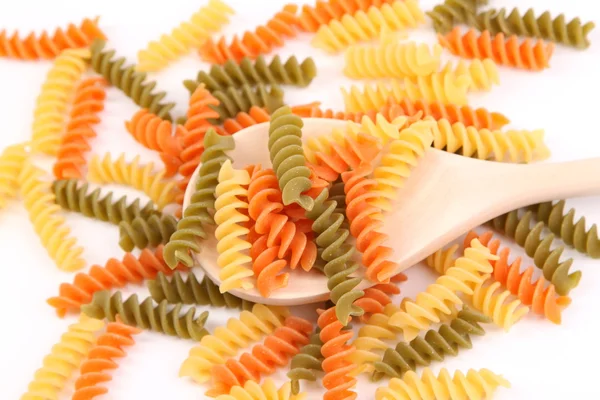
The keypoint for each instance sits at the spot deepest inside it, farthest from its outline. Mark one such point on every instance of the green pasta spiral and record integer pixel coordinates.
(132, 83)
(233, 101)
(434, 346)
(337, 194)
(150, 232)
(196, 215)
(176, 289)
(70, 196)
(287, 156)
(452, 12)
(564, 226)
(544, 257)
(306, 362)
(558, 30)
(332, 240)
(252, 72)
(147, 315)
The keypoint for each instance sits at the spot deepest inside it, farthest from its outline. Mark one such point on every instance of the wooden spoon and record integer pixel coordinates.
(446, 196)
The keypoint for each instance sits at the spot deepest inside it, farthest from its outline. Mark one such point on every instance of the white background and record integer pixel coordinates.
(542, 360)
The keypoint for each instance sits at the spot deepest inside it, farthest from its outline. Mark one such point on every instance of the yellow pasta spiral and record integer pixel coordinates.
(189, 34)
(40, 203)
(512, 146)
(365, 25)
(12, 160)
(64, 359)
(214, 349)
(231, 196)
(392, 59)
(267, 391)
(50, 110)
(440, 298)
(442, 259)
(141, 177)
(483, 73)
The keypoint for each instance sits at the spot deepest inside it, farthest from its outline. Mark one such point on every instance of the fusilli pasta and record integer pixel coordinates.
(266, 391)
(146, 232)
(306, 362)
(313, 17)
(454, 12)
(12, 159)
(255, 115)
(232, 100)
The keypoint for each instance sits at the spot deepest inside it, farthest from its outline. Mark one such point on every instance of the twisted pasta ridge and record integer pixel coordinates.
(50, 112)
(113, 274)
(70, 196)
(434, 346)
(227, 340)
(253, 72)
(564, 226)
(453, 12)
(156, 134)
(287, 155)
(475, 385)
(232, 100)
(365, 25)
(267, 391)
(388, 112)
(256, 115)
(49, 46)
(442, 296)
(88, 102)
(176, 289)
(44, 215)
(196, 216)
(189, 34)
(146, 232)
(12, 160)
(392, 60)
(139, 176)
(146, 315)
(133, 84)
(313, 17)
(304, 364)
(542, 299)
(275, 351)
(540, 249)
(442, 259)
(439, 86)
(529, 55)
(511, 146)
(231, 204)
(101, 359)
(64, 358)
(395, 166)
(571, 33)
(482, 73)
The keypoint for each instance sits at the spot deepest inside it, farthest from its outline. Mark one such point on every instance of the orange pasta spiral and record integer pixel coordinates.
(256, 115)
(312, 17)
(114, 274)
(543, 300)
(377, 297)
(253, 43)
(388, 111)
(88, 102)
(156, 134)
(93, 370)
(275, 351)
(46, 46)
(365, 223)
(530, 55)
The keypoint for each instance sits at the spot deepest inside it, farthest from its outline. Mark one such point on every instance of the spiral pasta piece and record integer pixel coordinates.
(156, 134)
(306, 362)
(139, 176)
(313, 17)
(453, 12)
(365, 25)
(50, 112)
(196, 216)
(253, 72)
(510, 146)
(442, 296)
(264, 39)
(391, 60)
(50, 46)
(504, 51)
(12, 159)
(101, 359)
(267, 391)
(442, 259)
(189, 34)
(482, 73)
(44, 215)
(475, 385)
(275, 351)
(563, 225)
(232, 101)
(133, 84)
(388, 112)
(256, 115)
(448, 339)
(214, 349)
(540, 249)
(64, 359)
(570, 33)
(141, 232)
(146, 315)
